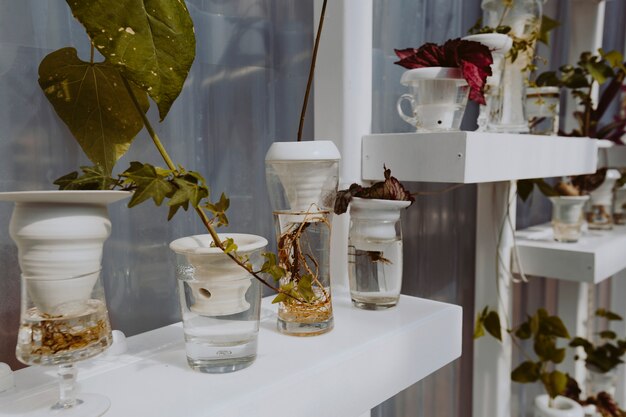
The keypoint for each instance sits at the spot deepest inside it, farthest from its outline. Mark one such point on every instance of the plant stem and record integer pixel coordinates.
(203, 217)
(311, 71)
(91, 54)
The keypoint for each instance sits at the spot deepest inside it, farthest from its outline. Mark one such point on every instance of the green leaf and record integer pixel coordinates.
(608, 334)
(229, 245)
(93, 178)
(523, 331)
(305, 288)
(148, 184)
(479, 329)
(525, 372)
(152, 42)
(614, 58)
(609, 315)
(189, 190)
(492, 325)
(271, 266)
(598, 70)
(94, 104)
(547, 24)
(580, 342)
(280, 297)
(555, 382)
(554, 326)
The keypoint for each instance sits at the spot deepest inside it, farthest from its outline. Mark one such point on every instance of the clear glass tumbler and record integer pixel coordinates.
(375, 252)
(542, 110)
(220, 301)
(567, 217)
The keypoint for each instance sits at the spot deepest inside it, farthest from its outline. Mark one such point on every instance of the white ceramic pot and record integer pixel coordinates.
(60, 234)
(374, 219)
(218, 284)
(302, 176)
(561, 407)
(603, 195)
(437, 98)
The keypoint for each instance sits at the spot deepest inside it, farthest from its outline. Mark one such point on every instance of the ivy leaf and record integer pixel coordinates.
(523, 331)
(547, 25)
(93, 178)
(609, 315)
(271, 266)
(190, 189)
(305, 288)
(479, 329)
(94, 104)
(148, 183)
(152, 42)
(229, 245)
(525, 372)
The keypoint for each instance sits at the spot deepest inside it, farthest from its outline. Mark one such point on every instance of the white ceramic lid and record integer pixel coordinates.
(315, 150)
(97, 197)
(613, 174)
(430, 73)
(497, 42)
(199, 244)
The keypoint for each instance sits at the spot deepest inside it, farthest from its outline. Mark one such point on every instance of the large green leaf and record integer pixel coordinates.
(152, 42)
(92, 101)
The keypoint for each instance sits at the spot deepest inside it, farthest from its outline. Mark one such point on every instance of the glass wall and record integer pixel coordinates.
(244, 91)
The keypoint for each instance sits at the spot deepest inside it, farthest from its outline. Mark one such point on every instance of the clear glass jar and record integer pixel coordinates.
(302, 182)
(619, 204)
(524, 19)
(437, 98)
(375, 252)
(542, 108)
(600, 214)
(567, 217)
(220, 301)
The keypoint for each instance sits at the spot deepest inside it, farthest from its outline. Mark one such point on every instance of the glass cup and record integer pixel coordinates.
(599, 214)
(437, 98)
(567, 217)
(375, 252)
(302, 182)
(619, 204)
(542, 110)
(64, 320)
(220, 301)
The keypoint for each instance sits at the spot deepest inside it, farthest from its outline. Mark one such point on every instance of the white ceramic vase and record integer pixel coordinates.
(560, 407)
(60, 235)
(218, 284)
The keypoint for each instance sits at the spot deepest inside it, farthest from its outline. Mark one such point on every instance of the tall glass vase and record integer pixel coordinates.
(524, 19)
(302, 182)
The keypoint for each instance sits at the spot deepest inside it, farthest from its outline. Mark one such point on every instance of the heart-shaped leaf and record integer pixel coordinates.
(154, 47)
(92, 101)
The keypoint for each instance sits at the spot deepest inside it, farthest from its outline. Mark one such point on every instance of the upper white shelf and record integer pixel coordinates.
(473, 157)
(597, 256)
(369, 357)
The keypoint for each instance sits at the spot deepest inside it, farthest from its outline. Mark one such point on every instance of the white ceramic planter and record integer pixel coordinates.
(307, 172)
(603, 195)
(376, 218)
(561, 407)
(218, 284)
(60, 234)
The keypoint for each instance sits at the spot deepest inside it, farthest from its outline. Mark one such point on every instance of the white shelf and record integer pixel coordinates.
(368, 357)
(474, 157)
(597, 256)
(611, 155)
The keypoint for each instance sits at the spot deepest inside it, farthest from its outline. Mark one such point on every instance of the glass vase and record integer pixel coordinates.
(599, 214)
(619, 204)
(437, 99)
(567, 217)
(598, 382)
(524, 19)
(542, 106)
(63, 320)
(302, 182)
(375, 252)
(220, 301)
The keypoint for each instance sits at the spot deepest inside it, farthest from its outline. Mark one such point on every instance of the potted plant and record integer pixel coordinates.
(601, 359)
(544, 331)
(375, 241)
(440, 79)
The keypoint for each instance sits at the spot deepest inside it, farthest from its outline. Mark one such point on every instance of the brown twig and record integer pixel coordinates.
(311, 71)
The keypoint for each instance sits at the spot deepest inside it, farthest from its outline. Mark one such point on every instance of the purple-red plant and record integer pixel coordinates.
(472, 58)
